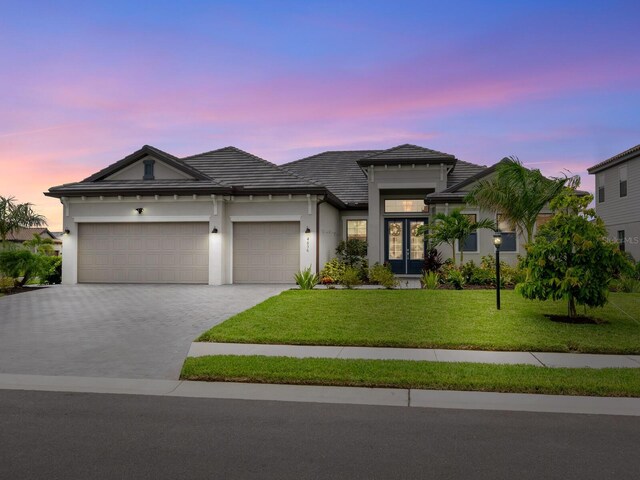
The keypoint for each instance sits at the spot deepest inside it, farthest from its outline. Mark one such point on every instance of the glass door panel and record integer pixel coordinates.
(417, 246)
(395, 244)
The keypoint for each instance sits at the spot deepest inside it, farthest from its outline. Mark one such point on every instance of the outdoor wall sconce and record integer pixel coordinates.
(497, 241)
(215, 230)
(139, 210)
(67, 231)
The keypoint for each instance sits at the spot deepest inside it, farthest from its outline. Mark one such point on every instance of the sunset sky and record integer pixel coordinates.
(83, 84)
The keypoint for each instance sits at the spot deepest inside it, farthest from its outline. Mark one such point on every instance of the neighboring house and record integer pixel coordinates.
(618, 198)
(227, 216)
(22, 235)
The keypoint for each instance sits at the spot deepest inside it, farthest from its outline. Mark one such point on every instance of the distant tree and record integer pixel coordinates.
(447, 228)
(571, 257)
(518, 193)
(40, 245)
(14, 216)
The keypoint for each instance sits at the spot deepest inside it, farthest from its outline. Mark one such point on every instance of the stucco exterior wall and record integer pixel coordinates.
(219, 212)
(329, 233)
(392, 179)
(161, 171)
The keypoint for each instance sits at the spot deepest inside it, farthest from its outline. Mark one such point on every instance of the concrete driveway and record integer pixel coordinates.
(126, 331)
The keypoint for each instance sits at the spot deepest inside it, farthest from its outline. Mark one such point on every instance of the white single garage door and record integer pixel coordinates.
(266, 252)
(143, 253)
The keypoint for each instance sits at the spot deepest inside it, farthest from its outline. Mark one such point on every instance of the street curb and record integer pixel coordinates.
(337, 395)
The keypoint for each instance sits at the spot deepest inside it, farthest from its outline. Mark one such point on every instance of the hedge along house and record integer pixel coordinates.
(227, 216)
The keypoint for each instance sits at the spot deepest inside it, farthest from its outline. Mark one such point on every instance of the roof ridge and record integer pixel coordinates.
(329, 151)
(266, 162)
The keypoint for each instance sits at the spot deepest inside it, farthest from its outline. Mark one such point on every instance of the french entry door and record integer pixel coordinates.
(404, 248)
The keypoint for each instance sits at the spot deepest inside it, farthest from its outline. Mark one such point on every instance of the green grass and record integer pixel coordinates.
(464, 319)
(618, 382)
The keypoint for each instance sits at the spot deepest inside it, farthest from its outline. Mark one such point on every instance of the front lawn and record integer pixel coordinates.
(464, 319)
(619, 382)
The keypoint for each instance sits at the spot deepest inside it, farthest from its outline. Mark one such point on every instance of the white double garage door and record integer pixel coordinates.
(263, 252)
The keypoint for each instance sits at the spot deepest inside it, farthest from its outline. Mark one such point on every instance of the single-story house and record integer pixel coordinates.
(24, 234)
(228, 216)
(618, 198)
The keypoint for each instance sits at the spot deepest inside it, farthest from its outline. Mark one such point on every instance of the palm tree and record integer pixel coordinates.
(519, 194)
(40, 245)
(14, 216)
(448, 228)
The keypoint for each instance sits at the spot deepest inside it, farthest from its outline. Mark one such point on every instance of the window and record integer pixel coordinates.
(357, 229)
(542, 218)
(509, 242)
(471, 243)
(621, 240)
(622, 172)
(148, 169)
(405, 206)
(600, 178)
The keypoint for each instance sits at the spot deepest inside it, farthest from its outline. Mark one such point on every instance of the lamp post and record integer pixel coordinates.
(497, 241)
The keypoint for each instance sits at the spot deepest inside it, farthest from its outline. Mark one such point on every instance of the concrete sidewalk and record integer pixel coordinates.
(318, 394)
(539, 359)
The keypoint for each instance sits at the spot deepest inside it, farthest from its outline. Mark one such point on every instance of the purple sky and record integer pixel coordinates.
(83, 85)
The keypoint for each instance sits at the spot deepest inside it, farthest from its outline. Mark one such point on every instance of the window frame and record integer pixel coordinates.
(148, 172)
(356, 219)
(424, 211)
(600, 184)
(513, 232)
(623, 184)
(476, 214)
(621, 240)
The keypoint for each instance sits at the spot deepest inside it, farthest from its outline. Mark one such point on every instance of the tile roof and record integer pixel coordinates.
(242, 170)
(135, 187)
(407, 154)
(229, 170)
(619, 158)
(146, 150)
(338, 171)
(462, 171)
(24, 234)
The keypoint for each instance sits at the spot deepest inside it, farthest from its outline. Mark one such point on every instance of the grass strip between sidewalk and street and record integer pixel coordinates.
(610, 382)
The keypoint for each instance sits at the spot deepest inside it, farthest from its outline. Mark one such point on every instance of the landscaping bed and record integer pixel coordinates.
(610, 382)
(432, 319)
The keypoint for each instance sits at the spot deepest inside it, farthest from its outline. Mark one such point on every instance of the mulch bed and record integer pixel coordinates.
(580, 319)
(16, 290)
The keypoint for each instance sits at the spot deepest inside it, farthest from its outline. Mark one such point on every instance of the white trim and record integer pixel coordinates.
(143, 219)
(265, 218)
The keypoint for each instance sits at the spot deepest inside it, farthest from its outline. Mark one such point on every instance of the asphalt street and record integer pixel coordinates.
(93, 436)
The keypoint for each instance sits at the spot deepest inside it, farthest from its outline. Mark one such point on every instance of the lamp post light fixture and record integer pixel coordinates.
(497, 241)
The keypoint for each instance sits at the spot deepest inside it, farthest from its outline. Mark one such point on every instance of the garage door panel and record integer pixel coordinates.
(266, 252)
(143, 253)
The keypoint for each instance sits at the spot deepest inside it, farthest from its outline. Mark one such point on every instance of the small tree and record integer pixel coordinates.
(571, 257)
(448, 228)
(14, 216)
